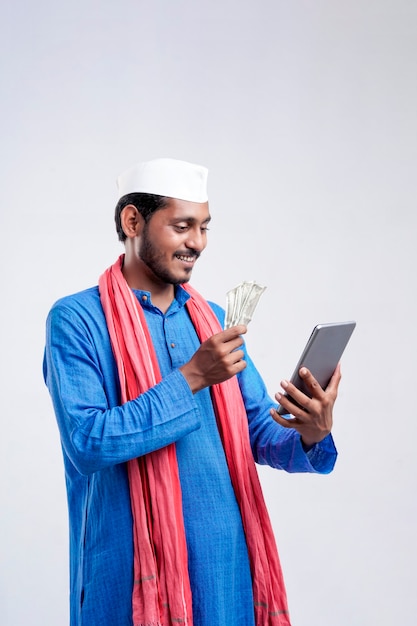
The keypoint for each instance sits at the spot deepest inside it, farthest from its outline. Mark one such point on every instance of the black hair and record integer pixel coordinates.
(146, 204)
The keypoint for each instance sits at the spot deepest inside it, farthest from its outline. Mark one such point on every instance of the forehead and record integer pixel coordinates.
(183, 209)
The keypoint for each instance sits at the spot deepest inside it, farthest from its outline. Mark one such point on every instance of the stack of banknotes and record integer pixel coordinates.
(241, 303)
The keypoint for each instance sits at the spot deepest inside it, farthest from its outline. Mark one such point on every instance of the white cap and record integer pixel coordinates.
(166, 177)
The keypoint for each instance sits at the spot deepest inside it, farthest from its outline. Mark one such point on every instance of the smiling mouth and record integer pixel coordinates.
(186, 258)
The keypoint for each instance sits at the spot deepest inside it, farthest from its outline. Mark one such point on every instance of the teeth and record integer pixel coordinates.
(188, 259)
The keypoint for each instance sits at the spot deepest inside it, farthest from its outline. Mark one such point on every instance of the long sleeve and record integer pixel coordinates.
(272, 444)
(80, 373)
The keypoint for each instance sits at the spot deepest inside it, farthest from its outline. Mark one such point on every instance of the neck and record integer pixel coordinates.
(139, 278)
(163, 300)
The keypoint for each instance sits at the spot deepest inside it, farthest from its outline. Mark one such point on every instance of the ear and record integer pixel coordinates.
(131, 221)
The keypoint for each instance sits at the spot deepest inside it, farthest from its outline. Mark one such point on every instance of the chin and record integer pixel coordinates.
(185, 278)
(182, 281)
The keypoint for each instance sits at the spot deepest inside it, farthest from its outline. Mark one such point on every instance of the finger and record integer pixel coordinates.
(291, 408)
(286, 422)
(285, 402)
(230, 338)
(235, 363)
(230, 334)
(235, 356)
(234, 331)
(240, 366)
(233, 341)
(313, 385)
(295, 398)
(335, 379)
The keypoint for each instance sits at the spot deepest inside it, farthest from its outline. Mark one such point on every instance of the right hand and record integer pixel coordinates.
(217, 359)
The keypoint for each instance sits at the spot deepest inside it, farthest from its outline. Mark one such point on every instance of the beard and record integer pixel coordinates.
(156, 262)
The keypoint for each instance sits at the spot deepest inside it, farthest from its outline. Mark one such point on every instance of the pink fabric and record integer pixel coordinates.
(162, 594)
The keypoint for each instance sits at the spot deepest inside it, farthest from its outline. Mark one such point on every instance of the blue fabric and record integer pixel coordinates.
(98, 436)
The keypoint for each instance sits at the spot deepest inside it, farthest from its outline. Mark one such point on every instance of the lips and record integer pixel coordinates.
(186, 258)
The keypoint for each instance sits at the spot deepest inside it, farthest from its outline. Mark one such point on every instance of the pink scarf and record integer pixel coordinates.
(162, 594)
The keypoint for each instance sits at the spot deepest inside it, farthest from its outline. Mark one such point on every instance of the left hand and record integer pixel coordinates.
(315, 420)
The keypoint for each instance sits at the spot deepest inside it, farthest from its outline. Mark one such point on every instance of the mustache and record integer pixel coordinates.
(189, 252)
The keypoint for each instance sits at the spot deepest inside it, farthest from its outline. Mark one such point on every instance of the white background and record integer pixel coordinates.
(305, 113)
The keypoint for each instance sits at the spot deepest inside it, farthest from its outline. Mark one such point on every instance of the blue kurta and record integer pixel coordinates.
(98, 437)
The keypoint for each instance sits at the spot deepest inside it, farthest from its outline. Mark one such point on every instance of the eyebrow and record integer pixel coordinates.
(191, 220)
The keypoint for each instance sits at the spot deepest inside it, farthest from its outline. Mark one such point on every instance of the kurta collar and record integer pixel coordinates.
(180, 299)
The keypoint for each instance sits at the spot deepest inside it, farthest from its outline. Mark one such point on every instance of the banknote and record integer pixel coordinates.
(241, 303)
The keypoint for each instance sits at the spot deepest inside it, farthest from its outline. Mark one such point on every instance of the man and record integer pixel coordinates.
(161, 415)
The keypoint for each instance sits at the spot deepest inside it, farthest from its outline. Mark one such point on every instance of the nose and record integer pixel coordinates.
(196, 239)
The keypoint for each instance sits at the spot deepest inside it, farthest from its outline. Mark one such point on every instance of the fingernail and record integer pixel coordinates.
(284, 383)
(303, 371)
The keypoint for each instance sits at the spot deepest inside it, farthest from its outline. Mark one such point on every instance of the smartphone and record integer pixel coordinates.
(321, 355)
